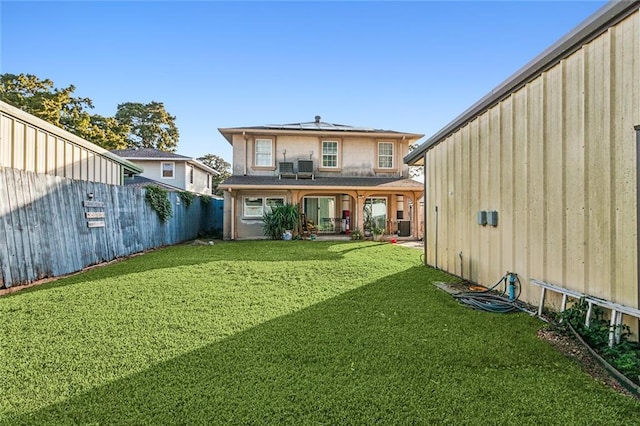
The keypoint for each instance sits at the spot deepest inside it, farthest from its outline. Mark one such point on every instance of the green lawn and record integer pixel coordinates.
(275, 332)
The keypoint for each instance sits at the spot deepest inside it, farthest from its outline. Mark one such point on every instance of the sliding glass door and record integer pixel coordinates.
(322, 211)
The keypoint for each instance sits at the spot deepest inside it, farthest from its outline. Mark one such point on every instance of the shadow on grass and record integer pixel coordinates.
(185, 255)
(396, 351)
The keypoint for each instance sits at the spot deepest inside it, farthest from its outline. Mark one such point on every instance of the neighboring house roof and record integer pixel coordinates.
(148, 154)
(141, 181)
(596, 24)
(262, 182)
(316, 126)
(152, 154)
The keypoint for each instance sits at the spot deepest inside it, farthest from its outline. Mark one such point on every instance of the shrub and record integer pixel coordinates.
(280, 219)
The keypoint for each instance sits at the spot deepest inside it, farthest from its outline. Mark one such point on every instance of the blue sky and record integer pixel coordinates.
(406, 66)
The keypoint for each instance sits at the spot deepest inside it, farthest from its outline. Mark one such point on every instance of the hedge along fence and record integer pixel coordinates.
(51, 226)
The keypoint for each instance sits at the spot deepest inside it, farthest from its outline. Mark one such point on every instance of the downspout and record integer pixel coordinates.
(233, 215)
(637, 129)
(424, 209)
(436, 240)
(246, 154)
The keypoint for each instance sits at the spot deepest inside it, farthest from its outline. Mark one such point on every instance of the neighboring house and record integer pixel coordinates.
(554, 152)
(32, 144)
(342, 177)
(171, 170)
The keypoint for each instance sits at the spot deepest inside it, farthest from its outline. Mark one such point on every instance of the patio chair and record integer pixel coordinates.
(286, 170)
(305, 169)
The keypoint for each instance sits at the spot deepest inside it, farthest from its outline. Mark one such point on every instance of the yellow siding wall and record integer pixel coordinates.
(27, 147)
(557, 160)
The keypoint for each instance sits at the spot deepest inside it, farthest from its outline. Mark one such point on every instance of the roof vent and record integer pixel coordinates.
(317, 119)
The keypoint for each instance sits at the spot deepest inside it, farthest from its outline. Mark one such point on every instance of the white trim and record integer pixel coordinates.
(393, 154)
(263, 207)
(173, 170)
(337, 154)
(255, 152)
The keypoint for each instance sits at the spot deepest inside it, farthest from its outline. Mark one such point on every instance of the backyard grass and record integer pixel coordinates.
(275, 332)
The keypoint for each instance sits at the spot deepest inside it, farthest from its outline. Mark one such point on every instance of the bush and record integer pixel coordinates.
(280, 219)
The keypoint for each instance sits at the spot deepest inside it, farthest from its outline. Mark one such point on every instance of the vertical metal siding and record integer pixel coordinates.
(27, 147)
(556, 159)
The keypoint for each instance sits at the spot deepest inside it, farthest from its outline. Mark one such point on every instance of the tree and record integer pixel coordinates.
(150, 125)
(60, 108)
(219, 165)
(134, 125)
(415, 171)
(40, 98)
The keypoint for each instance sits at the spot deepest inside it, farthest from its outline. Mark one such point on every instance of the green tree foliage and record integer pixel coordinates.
(218, 164)
(42, 99)
(415, 171)
(135, 124)
(151, 126)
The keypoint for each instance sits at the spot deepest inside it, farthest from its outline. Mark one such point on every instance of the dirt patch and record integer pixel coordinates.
(570, 347)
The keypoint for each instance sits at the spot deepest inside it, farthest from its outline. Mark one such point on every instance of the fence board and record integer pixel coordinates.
(44, 232)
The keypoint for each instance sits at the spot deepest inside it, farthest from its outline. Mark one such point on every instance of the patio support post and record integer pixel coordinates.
(358, 212)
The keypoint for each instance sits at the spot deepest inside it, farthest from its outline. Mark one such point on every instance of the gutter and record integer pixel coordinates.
(607, 16)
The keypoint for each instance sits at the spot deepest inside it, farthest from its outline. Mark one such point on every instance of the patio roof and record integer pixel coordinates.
(334, 183)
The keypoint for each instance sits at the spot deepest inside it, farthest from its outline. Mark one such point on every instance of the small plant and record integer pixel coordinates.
(159, 200)
(356, 234)
(624, 356)
(186, 197)
(205, 200)
(378, 231)
(280, 219)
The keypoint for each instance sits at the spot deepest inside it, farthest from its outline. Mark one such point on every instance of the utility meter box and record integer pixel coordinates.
(492, 218)
(482, 217)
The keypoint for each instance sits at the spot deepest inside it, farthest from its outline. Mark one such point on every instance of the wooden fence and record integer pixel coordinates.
(52, 226)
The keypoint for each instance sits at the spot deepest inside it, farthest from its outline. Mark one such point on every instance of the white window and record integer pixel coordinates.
(330, 154)
(208, 180)
(258, 206)
(385, 155)
(168, 170)
(264, 151)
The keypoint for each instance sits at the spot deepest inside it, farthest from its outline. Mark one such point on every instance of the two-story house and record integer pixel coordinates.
(342, 177)
(169, 169)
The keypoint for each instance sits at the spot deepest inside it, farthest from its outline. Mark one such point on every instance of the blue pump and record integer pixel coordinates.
(512, 285)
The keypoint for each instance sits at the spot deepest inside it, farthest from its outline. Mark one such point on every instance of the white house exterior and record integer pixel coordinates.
(171, 169)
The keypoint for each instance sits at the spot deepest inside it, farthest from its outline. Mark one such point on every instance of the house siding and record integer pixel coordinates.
(31, 144)
(557, 160)
(357, 156)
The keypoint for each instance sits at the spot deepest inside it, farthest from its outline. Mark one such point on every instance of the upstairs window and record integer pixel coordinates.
(385, 155)
(168, 170)
(191, 175)
(208, 180)
(330, 154)
(264, 152)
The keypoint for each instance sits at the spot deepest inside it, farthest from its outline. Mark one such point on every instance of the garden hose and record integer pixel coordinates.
(490, 301)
